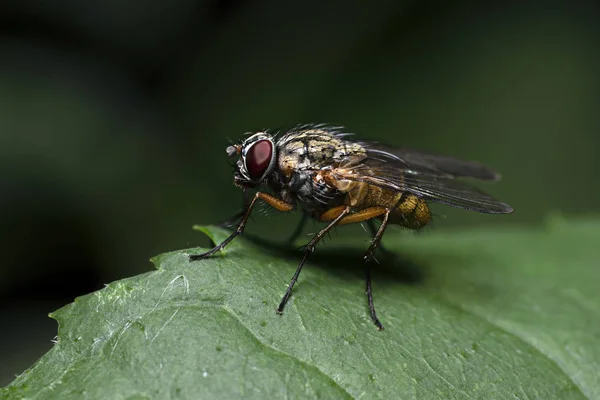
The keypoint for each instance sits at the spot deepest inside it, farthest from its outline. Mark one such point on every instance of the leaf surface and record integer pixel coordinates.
(511, 313)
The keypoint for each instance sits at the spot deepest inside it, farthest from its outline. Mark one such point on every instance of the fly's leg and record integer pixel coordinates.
(373, 230)
(368, 258)
(235, 219)
(342, 211)
(377, 236)
(367, 215)
(364, 215)
(370, 298)
(267, 198)
(298, 229)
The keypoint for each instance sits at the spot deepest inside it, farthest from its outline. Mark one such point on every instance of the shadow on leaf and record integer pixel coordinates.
(348, 263)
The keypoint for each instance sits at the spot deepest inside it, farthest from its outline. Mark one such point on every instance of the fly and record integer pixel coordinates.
(338, 180)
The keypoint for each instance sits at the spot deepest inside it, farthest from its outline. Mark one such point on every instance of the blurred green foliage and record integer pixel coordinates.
(114, 117)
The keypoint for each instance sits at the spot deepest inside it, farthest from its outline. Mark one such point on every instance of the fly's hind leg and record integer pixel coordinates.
(368, 215)
(368, 258)
(373, 231)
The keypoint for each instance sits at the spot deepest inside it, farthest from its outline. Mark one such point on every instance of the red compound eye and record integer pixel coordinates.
(258, 158)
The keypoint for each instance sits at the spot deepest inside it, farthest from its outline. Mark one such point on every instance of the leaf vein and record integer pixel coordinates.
(239, 320)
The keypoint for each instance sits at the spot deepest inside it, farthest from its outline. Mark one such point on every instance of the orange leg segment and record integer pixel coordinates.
(274, 202)
(337, 213)
(332, 213)
(364, 215)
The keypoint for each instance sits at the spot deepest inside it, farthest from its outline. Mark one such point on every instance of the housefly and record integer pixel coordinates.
(339, 180)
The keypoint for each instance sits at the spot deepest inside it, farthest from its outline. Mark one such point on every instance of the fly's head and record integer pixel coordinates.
(257, 155)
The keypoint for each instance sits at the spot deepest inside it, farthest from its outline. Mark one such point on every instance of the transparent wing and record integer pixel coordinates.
(425, 175)
(454, 193)
(428, 163)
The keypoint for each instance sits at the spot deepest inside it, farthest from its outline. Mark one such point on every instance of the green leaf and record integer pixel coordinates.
(510, 313)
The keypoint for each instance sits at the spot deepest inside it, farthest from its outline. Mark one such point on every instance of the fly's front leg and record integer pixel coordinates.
(235, 219)
(267, 198)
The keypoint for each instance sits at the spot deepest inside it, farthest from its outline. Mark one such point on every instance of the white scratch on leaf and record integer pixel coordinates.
(165, 324)
(171, 287)
(123, 330)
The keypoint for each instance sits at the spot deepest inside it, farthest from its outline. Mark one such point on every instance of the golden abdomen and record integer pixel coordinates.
(409, 210)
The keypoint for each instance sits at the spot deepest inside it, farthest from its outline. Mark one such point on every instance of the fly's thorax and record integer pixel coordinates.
(312, 192)
(314, 149)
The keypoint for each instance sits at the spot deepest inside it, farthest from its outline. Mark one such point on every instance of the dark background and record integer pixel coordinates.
(114, 118)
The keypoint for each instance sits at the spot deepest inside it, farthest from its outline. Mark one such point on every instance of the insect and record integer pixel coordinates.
(339, 180)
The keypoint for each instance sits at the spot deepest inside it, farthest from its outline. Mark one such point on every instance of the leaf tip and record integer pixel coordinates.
(57, 316)
(156, 261)
(204, 229)
(215, 234)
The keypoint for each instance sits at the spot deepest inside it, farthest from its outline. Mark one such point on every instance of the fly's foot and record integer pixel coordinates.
(196, 257)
